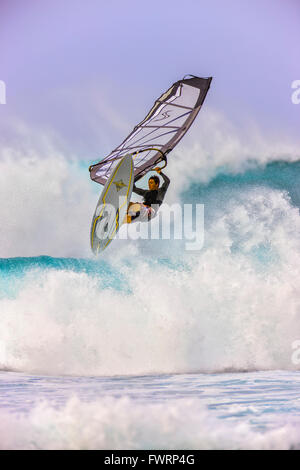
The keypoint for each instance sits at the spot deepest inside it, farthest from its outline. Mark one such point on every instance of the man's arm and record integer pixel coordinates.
(166, 181)
(139, 191)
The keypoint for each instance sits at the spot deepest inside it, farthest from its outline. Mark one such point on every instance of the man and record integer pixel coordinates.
(153, 198)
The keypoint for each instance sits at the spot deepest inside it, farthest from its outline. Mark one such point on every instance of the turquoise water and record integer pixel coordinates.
(14, 272)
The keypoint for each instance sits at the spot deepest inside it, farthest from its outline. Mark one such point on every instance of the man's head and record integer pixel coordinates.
(153, 182)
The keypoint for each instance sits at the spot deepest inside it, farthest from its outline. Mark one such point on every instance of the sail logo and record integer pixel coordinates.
(296, 94)
(2, 92)
(165, 115)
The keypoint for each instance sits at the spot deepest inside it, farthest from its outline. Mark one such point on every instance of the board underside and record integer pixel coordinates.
(112, 205)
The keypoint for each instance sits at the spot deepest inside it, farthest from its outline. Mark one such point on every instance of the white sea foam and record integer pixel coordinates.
(234, 305)
(112, 423)
(225, 310)
(46, 206)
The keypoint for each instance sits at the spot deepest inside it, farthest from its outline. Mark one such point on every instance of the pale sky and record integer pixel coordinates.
(86, 71)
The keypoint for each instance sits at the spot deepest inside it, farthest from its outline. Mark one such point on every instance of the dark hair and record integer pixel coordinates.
(155, 178)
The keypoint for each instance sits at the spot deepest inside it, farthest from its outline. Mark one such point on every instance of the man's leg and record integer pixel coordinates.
(133, 212)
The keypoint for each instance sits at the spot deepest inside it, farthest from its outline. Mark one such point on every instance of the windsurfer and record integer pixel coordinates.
(153, 198)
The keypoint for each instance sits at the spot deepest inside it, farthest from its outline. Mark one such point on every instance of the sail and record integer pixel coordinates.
(164, 126)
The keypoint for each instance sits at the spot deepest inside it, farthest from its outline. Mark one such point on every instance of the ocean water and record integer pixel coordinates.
(150, 346)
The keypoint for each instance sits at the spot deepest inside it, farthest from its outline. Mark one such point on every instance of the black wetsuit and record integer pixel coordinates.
(153, 197)
(156, 196)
